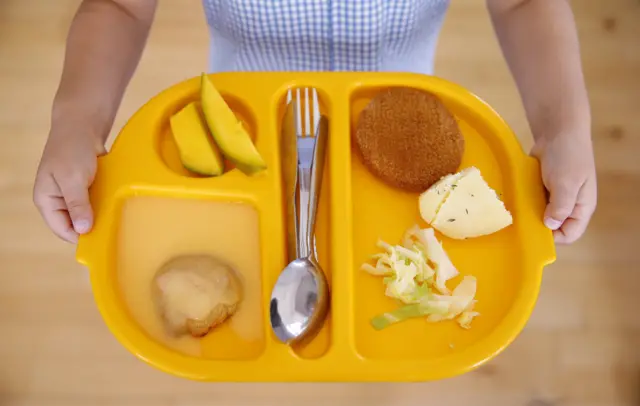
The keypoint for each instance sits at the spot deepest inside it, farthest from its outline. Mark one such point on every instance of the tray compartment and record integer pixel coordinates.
(152, 229)
(500, 255)
(318, 345)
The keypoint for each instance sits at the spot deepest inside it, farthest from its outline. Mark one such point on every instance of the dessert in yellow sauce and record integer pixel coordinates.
(146, 244)
(195, 293)
(463, 205)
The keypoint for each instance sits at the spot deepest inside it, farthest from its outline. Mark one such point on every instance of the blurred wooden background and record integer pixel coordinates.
(581, 348)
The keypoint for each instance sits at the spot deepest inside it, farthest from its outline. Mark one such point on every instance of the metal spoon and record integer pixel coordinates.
(300, 297)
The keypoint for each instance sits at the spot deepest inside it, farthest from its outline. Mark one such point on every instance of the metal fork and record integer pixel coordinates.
(306, 117)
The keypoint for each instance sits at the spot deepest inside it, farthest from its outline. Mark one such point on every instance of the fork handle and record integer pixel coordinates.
(317, 171)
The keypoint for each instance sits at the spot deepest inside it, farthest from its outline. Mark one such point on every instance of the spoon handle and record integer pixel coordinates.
(317, 171)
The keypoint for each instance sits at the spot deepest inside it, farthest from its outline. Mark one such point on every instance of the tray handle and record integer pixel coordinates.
(103, 195)
(535, 192)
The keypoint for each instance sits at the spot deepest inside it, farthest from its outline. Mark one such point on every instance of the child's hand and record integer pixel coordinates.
(568, 173)
(66, 171)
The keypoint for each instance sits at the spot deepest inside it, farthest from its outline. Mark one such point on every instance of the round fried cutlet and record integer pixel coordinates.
(409, 139)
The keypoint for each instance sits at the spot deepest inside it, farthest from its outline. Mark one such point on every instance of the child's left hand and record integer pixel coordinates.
(568, 173)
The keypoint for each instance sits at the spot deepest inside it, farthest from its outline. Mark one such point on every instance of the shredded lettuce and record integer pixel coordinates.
(403, 313)
(415, 273)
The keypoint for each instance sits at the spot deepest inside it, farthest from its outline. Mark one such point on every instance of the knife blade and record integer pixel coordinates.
(289, 169)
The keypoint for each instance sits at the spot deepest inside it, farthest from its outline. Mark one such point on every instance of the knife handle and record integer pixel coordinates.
(317, 172)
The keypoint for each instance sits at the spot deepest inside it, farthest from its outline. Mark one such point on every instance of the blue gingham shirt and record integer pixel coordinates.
(324, 35)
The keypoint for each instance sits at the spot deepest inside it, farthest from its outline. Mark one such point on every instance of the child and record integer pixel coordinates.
(107, 37)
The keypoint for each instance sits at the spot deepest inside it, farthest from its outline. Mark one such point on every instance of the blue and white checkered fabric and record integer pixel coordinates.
(324, 35)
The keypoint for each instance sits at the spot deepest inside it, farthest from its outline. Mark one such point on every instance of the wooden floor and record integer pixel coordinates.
(581, 348)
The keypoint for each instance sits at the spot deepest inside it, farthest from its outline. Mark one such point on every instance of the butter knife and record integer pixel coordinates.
(289, 168)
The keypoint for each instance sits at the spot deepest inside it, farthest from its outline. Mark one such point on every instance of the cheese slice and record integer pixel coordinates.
(471, 209)
(431, 200)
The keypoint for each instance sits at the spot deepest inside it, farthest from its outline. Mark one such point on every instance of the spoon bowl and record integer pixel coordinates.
(299, 301)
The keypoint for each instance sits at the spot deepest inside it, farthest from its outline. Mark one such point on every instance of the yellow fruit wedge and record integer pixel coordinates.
(227, 131)
(198, 152)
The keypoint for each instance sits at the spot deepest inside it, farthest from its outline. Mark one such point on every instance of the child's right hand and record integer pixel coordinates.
(66, 171)
(98, 64)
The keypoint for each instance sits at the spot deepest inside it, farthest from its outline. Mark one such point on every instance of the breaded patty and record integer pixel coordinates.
(408, 138)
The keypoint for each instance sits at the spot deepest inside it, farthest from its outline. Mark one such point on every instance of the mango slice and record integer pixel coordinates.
(197, 150)
(228, 132)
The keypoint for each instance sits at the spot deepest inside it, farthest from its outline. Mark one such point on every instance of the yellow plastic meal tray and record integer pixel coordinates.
(149, 209)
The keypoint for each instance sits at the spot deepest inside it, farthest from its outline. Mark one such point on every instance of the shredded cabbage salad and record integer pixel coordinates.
(416, 273)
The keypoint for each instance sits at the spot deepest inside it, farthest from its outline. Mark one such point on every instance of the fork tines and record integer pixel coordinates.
(307, 116)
